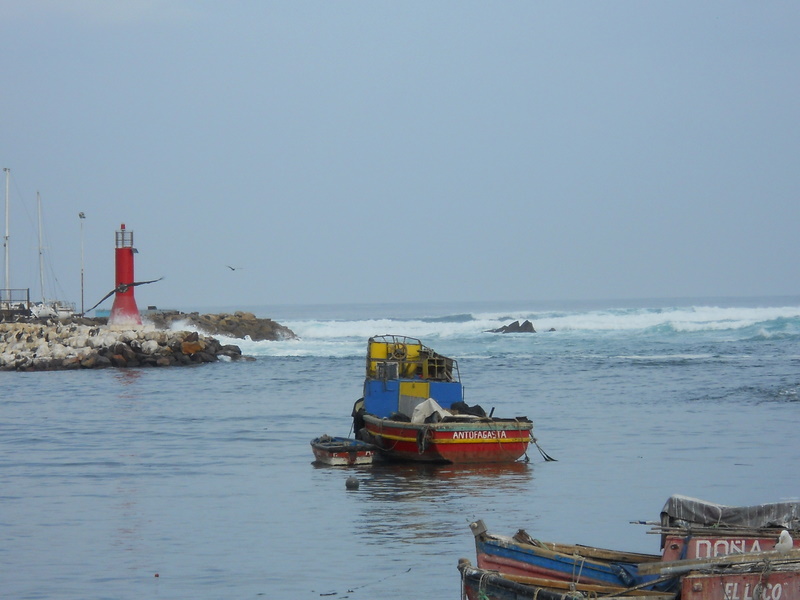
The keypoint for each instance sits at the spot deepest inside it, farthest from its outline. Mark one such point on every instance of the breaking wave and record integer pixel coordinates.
(468, 333)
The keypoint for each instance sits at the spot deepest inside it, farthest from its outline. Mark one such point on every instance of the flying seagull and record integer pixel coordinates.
(233, 268)
(121, 289)
(785, 542)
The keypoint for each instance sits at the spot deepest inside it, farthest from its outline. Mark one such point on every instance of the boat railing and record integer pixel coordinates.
(393, 357)
(15, 301)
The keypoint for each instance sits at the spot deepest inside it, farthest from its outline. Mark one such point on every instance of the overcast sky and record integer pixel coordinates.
(348, 152)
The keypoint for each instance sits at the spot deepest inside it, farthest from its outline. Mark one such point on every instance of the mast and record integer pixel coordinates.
(5, 239)
(41, 251)
(81, 216)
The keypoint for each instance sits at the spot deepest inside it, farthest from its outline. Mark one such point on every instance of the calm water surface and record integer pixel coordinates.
(198, 482)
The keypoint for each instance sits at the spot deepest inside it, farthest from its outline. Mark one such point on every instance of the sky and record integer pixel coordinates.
(375, 151)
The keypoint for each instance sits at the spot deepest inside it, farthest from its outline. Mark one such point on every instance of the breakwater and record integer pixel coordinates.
(84, 343)
(57, 346)
(240, 324)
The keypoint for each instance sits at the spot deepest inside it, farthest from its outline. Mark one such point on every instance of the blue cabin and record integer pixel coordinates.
(402, 373)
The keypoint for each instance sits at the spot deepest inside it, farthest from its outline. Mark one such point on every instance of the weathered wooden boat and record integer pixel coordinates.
(341, 451)
(482, 584)
(413, 409)
(764, 582)
(523, 555)
(691, 528)
(768, 575)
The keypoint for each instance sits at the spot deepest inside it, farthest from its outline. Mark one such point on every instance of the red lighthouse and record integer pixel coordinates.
(124, 310)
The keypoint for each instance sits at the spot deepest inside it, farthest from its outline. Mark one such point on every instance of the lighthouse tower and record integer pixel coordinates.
(124, 310)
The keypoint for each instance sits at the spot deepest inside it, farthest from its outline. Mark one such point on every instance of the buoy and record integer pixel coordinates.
(351, 483)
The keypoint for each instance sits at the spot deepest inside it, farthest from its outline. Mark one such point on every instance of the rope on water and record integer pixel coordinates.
(358, 587)
(544, 454)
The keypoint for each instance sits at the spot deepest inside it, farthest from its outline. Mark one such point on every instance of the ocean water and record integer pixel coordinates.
(199, 483)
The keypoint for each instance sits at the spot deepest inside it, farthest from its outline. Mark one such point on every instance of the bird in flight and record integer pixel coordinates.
(121, 289)
(233, 268)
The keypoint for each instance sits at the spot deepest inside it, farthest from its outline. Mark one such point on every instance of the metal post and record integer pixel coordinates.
(41, 249)
(5, 240)
(81, 216)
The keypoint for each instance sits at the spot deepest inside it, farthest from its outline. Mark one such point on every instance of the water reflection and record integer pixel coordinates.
(128, 380)
(405, 481)
(127, 376)
(409, 502)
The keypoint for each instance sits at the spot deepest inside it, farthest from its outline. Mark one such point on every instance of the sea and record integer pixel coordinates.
(199, 482)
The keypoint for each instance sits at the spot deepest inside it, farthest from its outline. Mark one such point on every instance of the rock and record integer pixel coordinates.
(237, 325)
(515, 327)
(192, 346)
(71, 363)
(85, 347)
(230, 351)
(95, 361)
(150, 347)
(83, 343)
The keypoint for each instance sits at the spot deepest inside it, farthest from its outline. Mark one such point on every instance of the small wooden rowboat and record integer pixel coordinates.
(522, 555)
(341, 451)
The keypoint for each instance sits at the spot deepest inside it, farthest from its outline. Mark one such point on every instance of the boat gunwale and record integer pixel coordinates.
(557, 591)
(508, 424)
(593, 554)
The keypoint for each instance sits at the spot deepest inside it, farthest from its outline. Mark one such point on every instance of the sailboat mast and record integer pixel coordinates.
(5, 239)
(41, 251)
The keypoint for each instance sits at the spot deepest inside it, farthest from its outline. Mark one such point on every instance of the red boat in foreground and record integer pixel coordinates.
(692, 528)
(767, 581)
(709, 552)
(413, 409)
(759, 583)
(768, 575)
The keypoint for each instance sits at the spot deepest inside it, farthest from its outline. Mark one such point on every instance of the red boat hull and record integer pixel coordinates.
(766, 585)
(489, 440)
(702, 545)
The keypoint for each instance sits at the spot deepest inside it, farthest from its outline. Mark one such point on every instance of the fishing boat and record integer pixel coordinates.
(523, 555)
(341, 451)
(482, 584)
(692, 528)
(413, 409)
(764, 581)
(768, 575)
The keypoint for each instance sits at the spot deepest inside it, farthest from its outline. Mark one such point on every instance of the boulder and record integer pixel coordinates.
(83, 343)
(237, 325)
(515, 327)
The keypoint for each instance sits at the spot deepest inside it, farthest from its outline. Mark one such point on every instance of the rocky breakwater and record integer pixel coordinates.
(238, 325)
(57, 346)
